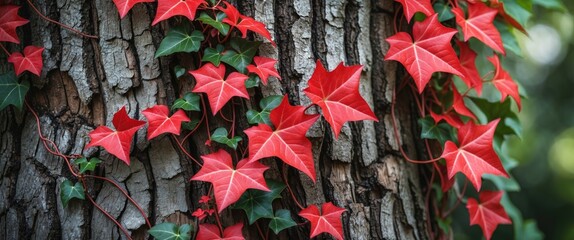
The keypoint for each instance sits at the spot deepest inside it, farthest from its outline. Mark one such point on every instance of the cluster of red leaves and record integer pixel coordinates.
(429, 50)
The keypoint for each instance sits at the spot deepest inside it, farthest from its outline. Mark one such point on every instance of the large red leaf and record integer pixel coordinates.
(264, 67)
(479, 24)
(160, 122)
(31, 60)
(430, 51)
(475, 156)
(170, 8)
(410, 7)
(326, 221)
(244, 23)
(124, 6)
(9, 21)
(211, 232)
(211, 80)
(117, 142)
(489, 213)
(337, 93)
(468, 61)
(230, 183)
(503, 82)
(288, 141)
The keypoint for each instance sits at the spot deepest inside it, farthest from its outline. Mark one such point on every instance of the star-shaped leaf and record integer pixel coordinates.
(170, 8)
(429, 52)
(160, 122)
(244, 23)
(288, 141)
(337, 93)
(259, 204)
(180, 39)
(170, 231)
(124, 6)
(241, 54)
(475, 155)
(213, 55)
(68, 191)
(211, 232)
(503, 82)
(117, 142)
(211, 80)
(480, 24)
(230, 183)
(410, 7)
(264, 67)
(281, 221)
(11, 91)
(488, 213)
(31, 60)
(326, 221)
(9, 21)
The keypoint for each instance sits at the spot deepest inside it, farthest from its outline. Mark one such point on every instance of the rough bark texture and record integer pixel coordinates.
(86, 81)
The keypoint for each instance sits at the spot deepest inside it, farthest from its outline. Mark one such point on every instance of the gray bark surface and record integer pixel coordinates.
(85, 81)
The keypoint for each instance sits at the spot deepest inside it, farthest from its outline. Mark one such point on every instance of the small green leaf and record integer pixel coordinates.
(170, 231)
(12, 92)
(213, 55)
(252, 81)
(267, 104)
(508, 39)
(180, 39)
(216, 23)
(189, 102)
(69, 191)
(441, 132)
(487, 111)
(443, 11)
(190, 125)
(282, 220)
(518, 10)
(179, 71)
(551, 4)
(220, 136)
(86, 165)
(258, 204)
(242, 53)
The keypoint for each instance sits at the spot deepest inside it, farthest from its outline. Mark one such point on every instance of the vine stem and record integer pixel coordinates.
(5, 50)
(260, 231)
(59, 23)
(185, 151)
(218, 220)
(126, 195)
(459, 199)
(284, 175)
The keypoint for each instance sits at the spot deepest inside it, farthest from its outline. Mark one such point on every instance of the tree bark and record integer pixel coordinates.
(85, 81)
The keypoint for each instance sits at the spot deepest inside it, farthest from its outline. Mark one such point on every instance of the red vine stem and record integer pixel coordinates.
(459, 199)
(218, 220)
(125, 194)
(58, 23)
(185, 152)
(5, 50)
(284, 175)
(106, 213)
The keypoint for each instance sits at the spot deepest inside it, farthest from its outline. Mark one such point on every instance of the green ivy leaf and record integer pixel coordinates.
(189, 102)
(180, 39)
(551, 4)
(487, 111)
(441, 132)
(220, 136)
(443, 11)
(170, 231)
(217, 23)
(190, 125)
(213, 55)
(242, 53)
(69, 191)
(179, 71)
(86, 165)
(281, 221)
(12, 92)
(258, 204)
(519, 10)
(508, 39)
(267, 104)
(252, 81)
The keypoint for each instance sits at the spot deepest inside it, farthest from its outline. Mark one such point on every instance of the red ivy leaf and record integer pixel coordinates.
(326, 221)
(124, 6)
(410, 7)
(459, 106)
(117, 142)
(430, 52)
(170, 8)
(244, 23)
(211, 232)
(9, 21)
(337, 93)
(479, 24)
(503, 82)
(468, 62)
(450, 117)
(31, 60)
(475, 156)
(211, 80)
(264, 67)
(160, 122)
(229, 183)
(489, 213)
(288, 142)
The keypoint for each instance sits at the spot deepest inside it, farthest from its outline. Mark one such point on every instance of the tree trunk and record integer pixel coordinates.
(85, 81)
